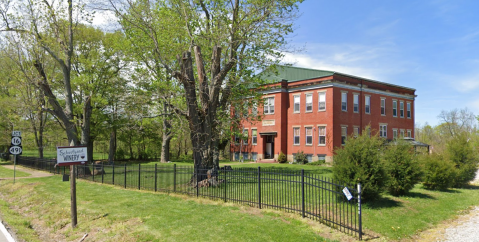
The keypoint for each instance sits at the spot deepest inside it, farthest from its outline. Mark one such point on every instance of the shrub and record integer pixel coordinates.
(317, 163)
(461, 153)
(439, 172)
(402, 169)
(301, 157)
(359, 162)
(282, 157)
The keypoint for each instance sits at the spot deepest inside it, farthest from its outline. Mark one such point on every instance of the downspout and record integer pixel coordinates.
(360, 109)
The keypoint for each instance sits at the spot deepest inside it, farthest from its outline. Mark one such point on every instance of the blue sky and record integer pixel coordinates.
(429, 45)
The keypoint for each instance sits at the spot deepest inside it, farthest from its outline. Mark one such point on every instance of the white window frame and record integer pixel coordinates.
(254, 138)
(322, 142)
(310, 129)
(383, 130)
(308, 105)
(355, 103)
(395, 133)
(344, 101)
(409, 133)
(383, 106)
(408, 110)
(401, 133)
(401, 109)
(321, 94)
(269, 105)
(245, 140)
(356, 131)
(296, 104)
(344, 134)
(367, 104)
(395, 108)
(294, 135)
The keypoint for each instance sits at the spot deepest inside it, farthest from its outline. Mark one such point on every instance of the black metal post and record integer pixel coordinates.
(113, 174)
(259, 187)
(93, 167)
(174, 177)
(359, 212)
(102, 172)
(225, 182)
(156, 177)
(125, 175)
(197, 181)
(139, 175)
(302, 192)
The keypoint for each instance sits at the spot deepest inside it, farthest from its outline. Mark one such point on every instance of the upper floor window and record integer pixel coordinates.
(269, 105)
(383, 106)
(309, 135)
(254, 136)
(408, 110)
(383, 130)
(395, 108)
(322, 135)
(297, 100)
(367, 104)
(401, 109)
(344, 101)
(321, 101)
(296, 136)
(254, 110)
(309, 102)
(355, 103)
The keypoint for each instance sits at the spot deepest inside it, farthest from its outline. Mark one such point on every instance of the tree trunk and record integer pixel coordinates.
(167, 136)
(112, 149)
(85, 135)
(131, 149)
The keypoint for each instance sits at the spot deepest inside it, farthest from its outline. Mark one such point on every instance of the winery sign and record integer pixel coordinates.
(71, 155)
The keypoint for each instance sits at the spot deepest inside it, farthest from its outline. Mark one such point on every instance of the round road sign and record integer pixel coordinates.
(16, 141)
(15, 150)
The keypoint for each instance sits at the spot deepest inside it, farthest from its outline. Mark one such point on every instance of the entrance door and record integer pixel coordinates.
(269, 147)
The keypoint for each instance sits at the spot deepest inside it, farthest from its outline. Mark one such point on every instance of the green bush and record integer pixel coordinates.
(282, 157)
(301, 157)
(359, 162)
(402, 168)
(316, 163)
(439, 172)
(461, 152)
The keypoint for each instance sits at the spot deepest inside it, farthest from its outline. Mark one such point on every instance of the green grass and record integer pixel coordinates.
(109, 213)
(5, 173)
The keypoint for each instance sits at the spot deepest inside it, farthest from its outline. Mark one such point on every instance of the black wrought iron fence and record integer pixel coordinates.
(310, 195)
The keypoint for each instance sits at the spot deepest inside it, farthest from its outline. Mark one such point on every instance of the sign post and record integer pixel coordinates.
(72, 156)
(15, 149)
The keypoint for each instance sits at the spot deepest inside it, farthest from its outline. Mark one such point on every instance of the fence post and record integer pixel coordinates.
(93, 170)
(113, 174)
(302, 193)
(139, 175)
(156, 177)
(359, 213)
(174, 177)
(102, 172)
(225, 181)
(125, 175)
(259, 187)
(197, 180)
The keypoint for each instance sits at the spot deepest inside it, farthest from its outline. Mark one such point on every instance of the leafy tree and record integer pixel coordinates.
(461, 152)
(439, 172)
(359, 161)
(402, 168)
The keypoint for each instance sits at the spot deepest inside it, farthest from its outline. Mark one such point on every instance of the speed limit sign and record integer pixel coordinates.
(16, 140)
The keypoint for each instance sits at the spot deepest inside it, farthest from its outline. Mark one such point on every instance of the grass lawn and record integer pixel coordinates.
(110, 213)
(5, 173)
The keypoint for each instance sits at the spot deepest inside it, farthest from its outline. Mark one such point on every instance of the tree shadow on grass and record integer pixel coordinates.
(383, 202)
(418, 195)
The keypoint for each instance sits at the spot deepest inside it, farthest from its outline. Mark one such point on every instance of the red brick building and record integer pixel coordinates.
(314, 111)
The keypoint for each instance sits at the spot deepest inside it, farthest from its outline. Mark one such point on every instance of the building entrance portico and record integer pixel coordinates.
(268, 144)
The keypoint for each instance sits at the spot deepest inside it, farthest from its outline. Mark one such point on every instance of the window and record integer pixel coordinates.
(367, 104)
(237, 139)
(255, 110)
(321, 101)
(322, 157)
(395, 133)
(237, 155)
(322, 135)
(254, 156)
(395, 108)
(254, 136)
(401, 109)
(245, 156)
(309, 135)
(356, 103)
(344, 101)
(309, 102)
(383, 130)
(245, 136)
(401, 133)
(269, 105)
(408, 110)
(296, 136)
(344, 134)
(409, 134)
(309, 157)
(297, 99)
(383, 106)
(356, 131)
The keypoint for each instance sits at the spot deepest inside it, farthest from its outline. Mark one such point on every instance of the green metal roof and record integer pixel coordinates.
(292, 73)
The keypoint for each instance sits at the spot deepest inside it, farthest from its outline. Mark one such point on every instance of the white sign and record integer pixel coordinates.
(15, 150)
(347, 193)
(16, 140)
(16, 133)
(72, 154)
